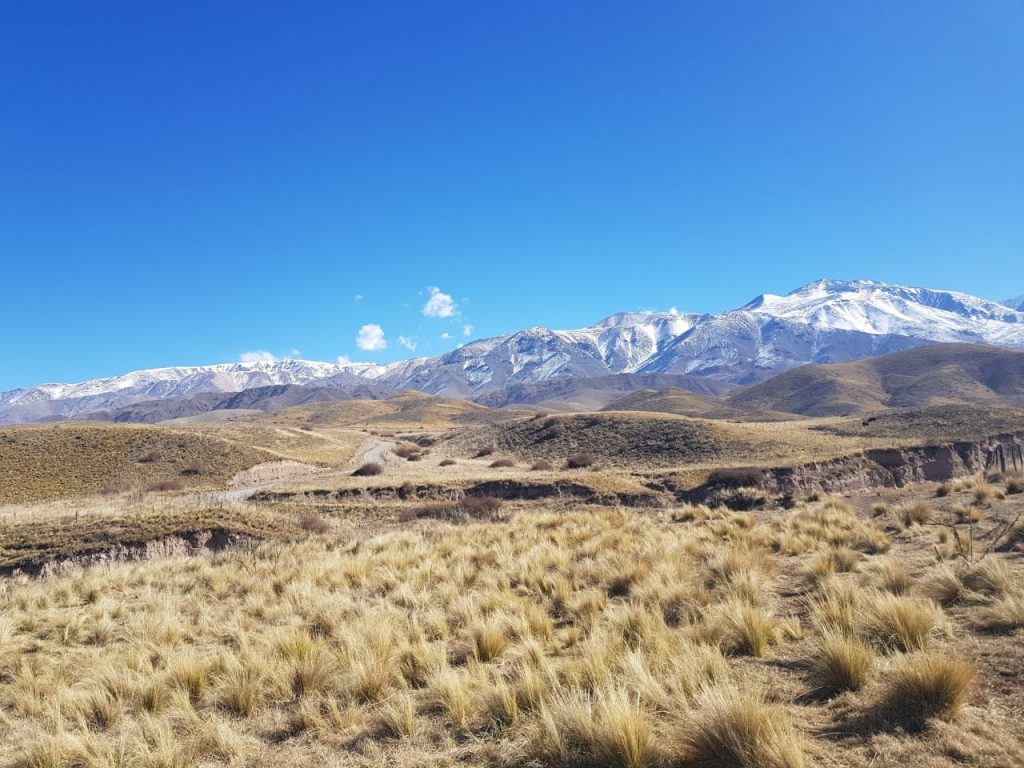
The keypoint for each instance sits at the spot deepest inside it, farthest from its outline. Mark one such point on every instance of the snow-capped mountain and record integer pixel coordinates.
(825, 321)
(68, 400)
(1016, 303)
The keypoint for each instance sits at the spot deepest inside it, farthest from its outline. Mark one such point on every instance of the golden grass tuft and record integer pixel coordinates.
(914, 513)
(607, 728)
(922, 687)
(897, 623)
(732, 728)
(840, 663)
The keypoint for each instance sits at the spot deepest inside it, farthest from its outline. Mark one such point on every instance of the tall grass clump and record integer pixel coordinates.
(924, 686)
(736, 729)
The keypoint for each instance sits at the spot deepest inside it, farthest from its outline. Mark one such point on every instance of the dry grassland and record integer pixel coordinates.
(821, 635)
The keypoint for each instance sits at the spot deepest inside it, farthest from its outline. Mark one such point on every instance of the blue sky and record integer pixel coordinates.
(182, 183)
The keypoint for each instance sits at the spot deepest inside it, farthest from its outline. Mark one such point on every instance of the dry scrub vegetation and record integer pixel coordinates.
(689, 637)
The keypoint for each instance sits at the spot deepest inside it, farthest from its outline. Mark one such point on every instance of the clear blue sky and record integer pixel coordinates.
(184, 182)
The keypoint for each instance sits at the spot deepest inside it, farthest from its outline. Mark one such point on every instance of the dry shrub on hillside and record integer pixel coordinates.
(466, 508)
(407, 451)
(580, 461)
(164, 485)
(484, 451)
(369, 469)
(502, 463)
(736, 477)
(447, 463)
(313, 523)
(541, 466)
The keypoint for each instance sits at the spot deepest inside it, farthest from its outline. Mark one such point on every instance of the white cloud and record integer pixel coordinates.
(358, 297)
(439, 304)
(446, 335)
(295, 353)
(371, 338)
(467, 330)
(344, 360)
(408, 343)
(257, 356)
(673, 311)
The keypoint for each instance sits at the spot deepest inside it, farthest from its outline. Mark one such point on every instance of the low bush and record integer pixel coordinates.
(541, 466)
(313, 523)
(369, 469)
(165, 485)
(446, 463)
(483, 451)
(736, 477)
(407, 451)
(501, 463)
(580, 461)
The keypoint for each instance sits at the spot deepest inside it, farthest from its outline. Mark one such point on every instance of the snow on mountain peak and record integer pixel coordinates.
(824, 321)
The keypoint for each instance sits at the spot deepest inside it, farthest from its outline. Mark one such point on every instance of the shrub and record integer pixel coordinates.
(150, 457)
(165, 485)
(480, 507)
(580, 461)
(475, 507)
(369, 469)
(193, 470)
(922, 687)
(484, 450)
(501, 463)
(736, 477)
(446, 463)
(944, 489)
(407, 451)
(741, 730)
(1015, 484)
(840, 663)
(313, 523)
(541, 466)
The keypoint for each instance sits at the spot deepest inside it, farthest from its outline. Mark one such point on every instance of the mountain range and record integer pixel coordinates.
(827, 321)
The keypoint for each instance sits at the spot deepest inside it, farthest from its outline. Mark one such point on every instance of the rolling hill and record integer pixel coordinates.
(932, 375)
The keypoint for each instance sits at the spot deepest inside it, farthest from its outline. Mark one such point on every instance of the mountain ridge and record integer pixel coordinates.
(824, 321)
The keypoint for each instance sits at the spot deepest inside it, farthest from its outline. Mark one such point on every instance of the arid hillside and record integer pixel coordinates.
(932, 375)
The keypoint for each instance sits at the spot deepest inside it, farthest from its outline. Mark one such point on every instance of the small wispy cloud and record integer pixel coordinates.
(371, 338)
(344, 360)
(409, 343)
(446, 335)
(358, 297)
(257, 356)
(295, 353)
(467, 330)
(440, 304)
